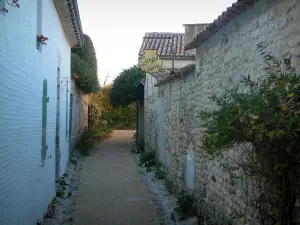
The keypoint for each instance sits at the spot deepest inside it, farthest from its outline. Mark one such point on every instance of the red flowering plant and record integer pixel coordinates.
(42, 39)
(12, 3)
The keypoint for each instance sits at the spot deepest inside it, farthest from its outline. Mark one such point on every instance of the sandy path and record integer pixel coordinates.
(111, 190)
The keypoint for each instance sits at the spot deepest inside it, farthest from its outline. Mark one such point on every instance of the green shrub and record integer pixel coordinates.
(266, 115)
(121, 118)
(169, 185)
(185, 204)
(84, 65)
(147, 159)
(89, 137)
(60, 192)
(159, 174)
(85, 142)
(124, 88)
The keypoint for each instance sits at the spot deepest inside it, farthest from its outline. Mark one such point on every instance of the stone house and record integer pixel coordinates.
(79, 103)
(162, 41)
(34, 93)
(225, 49)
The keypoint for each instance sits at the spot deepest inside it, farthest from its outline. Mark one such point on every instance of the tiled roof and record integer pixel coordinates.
(70, 18)
(168, 75)
(76, 22)
(162, 42)
(237, 8)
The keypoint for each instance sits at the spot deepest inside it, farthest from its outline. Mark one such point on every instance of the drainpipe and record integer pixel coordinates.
(137, 115)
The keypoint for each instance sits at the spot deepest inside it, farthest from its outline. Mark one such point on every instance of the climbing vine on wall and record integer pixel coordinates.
(265, 116)
(84, 65)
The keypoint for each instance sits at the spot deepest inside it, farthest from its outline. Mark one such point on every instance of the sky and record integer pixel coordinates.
(117, 27)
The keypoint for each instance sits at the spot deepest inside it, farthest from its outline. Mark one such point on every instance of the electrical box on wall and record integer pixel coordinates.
(190, 170)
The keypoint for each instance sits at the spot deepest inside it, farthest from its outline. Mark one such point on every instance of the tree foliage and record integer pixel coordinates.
(116, 118)
(88, 79)
(267, 116)
(84, 65)
(123, 91)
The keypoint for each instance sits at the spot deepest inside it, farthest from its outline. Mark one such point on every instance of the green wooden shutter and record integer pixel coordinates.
(45, 101)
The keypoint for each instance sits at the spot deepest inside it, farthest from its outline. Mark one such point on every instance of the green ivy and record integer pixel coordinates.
(87, 53)
(84, 65)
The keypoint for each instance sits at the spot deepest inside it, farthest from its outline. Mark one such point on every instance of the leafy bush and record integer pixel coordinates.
(169, 185)
(147, 159)
(159, 174)
(85, 142)
(124, 88)
(266, 115)
(185, 204)
(84, 65)
(89, 137)
(87, 53)
(121, 118)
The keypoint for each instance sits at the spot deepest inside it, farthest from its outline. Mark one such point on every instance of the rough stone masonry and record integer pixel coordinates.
(220, 62)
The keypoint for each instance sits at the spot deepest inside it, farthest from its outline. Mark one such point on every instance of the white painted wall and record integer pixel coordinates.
(25, 188)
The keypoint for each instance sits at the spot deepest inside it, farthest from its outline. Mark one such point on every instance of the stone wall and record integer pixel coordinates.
(79, 112)
(151, 104)
(84, 107)
(220, 61)
(76, 129)
(151, 113)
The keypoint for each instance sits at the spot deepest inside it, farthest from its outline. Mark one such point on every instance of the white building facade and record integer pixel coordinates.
(34, 112)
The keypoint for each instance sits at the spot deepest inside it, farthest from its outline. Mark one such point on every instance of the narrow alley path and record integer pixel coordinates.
(111, 190)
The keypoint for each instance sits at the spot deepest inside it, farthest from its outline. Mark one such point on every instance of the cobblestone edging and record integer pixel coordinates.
(164, 202)
(65, 205)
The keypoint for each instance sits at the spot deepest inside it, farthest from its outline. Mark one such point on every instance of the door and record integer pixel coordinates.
(161, 120)
(57, 136)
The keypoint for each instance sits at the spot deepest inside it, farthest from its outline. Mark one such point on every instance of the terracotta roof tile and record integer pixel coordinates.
(237, 8)
(160, 41)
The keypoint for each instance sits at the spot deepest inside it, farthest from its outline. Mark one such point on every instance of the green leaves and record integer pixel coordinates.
(84, 65)
(266, 114)
(125, 85)
(265, 117)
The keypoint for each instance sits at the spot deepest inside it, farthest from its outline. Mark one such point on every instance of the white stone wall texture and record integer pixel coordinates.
(220, 61)
(26, 189)
(76, 128)
(151, 104)
(79, 112)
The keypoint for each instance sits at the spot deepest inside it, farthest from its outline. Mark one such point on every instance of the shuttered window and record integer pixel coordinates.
(45, 101)
(39, 22)
(2, 5)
